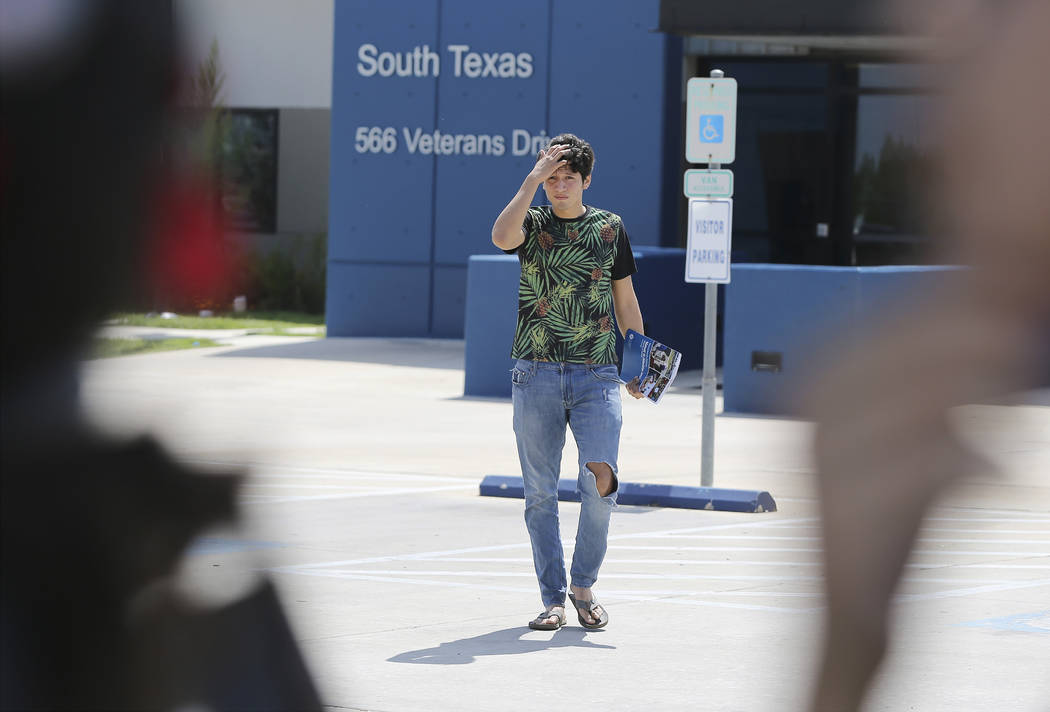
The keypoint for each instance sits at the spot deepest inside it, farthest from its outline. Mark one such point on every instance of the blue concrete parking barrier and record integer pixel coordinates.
(780, 319)
(491, 314)
(647, 495)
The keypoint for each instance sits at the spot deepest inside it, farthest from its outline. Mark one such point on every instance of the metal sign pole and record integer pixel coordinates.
(709, 382)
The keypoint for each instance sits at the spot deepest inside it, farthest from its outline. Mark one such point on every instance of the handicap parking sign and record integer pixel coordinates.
(711, 126)
(710, 119)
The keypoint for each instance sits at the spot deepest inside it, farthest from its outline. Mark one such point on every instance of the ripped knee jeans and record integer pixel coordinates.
(548, 397)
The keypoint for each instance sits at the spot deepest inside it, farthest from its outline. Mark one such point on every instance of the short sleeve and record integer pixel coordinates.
(623, 265)
(526, 227)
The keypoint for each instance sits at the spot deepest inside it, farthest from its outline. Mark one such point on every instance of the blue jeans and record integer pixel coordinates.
(548, 396)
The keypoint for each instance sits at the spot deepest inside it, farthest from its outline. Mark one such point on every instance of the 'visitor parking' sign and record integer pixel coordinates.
(710, 240)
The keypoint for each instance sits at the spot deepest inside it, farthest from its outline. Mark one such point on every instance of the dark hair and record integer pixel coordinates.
(581, 156)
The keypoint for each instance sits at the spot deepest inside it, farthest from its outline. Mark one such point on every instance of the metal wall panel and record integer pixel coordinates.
(477, 98)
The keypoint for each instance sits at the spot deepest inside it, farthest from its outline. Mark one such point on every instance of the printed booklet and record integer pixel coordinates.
(652, 363)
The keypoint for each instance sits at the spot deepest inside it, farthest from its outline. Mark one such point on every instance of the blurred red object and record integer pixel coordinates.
(189, 261)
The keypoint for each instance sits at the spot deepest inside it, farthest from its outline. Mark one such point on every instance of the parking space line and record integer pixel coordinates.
(1022, 518)
(690, 601)
(354, 495)
(935, 540)
(661, 593)
(990, 531)
(515, 564)
(568, 543)
(299, 485)
(726, 537)
(391, 577)
(776, 549)
(1027, 542)
(621, 547)
(356, 476)
(1020, 622)
(265, 469)
(300, 568)
(988, 588)
(695, 562)
(694, 531)
(530, 574)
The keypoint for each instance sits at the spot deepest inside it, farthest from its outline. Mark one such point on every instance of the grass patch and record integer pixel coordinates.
(277, 322)
(108, 348)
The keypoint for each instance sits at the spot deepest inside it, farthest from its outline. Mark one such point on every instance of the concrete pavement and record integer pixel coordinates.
(407, 591)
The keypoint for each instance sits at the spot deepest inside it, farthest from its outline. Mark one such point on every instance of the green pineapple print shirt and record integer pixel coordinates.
(565, 303)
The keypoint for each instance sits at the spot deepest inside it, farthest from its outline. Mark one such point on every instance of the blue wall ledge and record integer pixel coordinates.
(780, 319)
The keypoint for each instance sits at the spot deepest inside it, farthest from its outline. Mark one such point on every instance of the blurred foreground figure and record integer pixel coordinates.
(884, 446)
(92, 530)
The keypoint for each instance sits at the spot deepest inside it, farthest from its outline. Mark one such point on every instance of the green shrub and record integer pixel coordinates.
(289, 279)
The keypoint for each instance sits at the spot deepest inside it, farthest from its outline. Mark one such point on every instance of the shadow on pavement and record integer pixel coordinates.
(418, 353)
(501, 642)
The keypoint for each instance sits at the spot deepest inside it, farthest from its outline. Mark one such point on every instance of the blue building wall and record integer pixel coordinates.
(796, 312)
(405, 216)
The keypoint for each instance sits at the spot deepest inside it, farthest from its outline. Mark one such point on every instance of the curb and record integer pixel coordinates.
(647, 495)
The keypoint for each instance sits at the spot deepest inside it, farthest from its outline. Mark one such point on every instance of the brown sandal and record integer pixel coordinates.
(591, 607)
(540, 621)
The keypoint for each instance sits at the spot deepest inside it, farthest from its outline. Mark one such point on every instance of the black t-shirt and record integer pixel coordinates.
(565, 304)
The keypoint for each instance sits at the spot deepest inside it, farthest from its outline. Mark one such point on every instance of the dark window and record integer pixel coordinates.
(782, 182)
(833, 160)
(249, 170)
(892, 166)
(781, 174)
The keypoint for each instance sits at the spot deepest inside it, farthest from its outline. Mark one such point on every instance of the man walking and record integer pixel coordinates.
(576, 267)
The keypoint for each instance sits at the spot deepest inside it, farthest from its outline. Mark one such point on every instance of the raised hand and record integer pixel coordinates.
(550, 160)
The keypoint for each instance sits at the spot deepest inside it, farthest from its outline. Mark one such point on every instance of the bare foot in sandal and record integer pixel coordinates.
(552, 618)
(590, 613)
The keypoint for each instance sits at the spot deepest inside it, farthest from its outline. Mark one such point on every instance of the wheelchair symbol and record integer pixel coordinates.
(711, 128)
